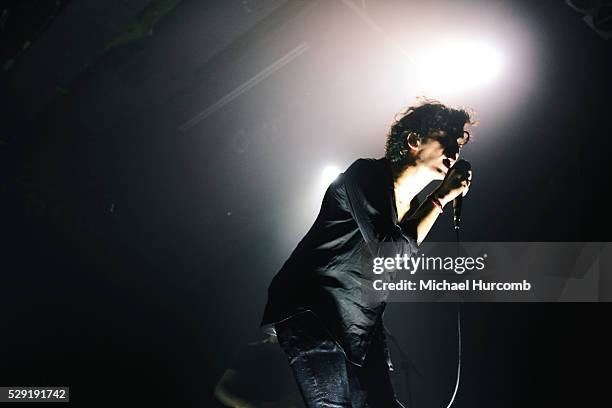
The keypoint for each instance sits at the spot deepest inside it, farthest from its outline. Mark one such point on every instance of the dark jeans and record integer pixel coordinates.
(324, 375)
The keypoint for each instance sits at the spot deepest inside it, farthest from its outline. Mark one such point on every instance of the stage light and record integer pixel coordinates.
(453, 66)
(309, 200)
(329, 174)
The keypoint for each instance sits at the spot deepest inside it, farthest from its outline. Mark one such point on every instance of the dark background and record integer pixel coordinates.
(136, 253)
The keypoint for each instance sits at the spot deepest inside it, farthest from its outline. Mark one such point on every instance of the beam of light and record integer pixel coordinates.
(363, 15)
(457, 66)
(278, 64)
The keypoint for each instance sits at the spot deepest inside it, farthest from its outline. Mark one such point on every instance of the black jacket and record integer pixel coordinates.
(327, 272)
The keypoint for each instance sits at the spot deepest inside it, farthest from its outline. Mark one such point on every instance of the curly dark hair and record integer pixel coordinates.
(424, 119)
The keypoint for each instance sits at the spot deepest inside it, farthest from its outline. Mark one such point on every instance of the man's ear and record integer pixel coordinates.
(413, 141)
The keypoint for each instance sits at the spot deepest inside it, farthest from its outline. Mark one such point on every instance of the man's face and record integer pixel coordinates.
(438, 152)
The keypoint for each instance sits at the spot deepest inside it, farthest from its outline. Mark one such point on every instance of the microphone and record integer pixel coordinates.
(458, 201)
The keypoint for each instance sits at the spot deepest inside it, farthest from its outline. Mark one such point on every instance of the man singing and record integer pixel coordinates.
(333, 335)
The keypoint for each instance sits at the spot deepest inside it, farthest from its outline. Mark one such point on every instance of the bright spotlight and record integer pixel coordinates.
(329, 174)
(310, 201)
(457, 65)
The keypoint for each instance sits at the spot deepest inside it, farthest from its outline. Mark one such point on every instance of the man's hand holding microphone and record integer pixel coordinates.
(454, 187)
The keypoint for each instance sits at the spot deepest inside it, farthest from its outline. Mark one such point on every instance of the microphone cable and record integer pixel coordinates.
(450, 403)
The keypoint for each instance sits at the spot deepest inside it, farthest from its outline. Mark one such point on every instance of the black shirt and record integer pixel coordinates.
(325, 273)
